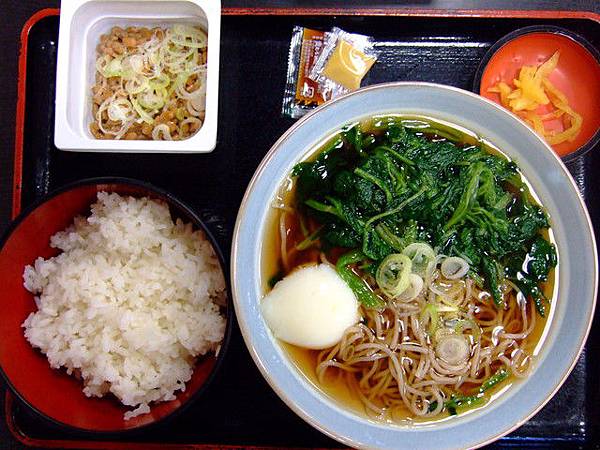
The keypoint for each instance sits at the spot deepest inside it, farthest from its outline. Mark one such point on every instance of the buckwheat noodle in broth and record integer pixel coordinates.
(455, 252)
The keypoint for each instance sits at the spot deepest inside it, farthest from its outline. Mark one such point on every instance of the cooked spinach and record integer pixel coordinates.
(362, 290)
(459, 402)
(376, 191)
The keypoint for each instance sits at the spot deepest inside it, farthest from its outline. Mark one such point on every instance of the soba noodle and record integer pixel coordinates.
(389, 359)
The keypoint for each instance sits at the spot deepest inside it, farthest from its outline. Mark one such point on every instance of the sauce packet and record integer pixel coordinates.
(302, 93)
(343, 62)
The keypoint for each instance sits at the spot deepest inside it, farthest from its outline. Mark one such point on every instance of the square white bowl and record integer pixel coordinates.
(82, 22)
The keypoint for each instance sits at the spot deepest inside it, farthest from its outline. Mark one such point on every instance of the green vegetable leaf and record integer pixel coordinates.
(360, 288)
(402, 181)
(542, 257)
(460, 402)
(501, 374)
(493, 277)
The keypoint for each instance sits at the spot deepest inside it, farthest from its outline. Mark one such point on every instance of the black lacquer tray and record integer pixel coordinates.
(240, 410)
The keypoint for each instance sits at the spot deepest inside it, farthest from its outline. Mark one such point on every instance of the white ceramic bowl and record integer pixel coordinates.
(82, 22)
(577, 274)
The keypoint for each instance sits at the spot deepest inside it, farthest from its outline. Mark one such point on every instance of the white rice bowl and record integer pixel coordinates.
(130, 302)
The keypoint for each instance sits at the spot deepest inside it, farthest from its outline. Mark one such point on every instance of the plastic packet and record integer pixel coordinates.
(301, 93)
(343, 62)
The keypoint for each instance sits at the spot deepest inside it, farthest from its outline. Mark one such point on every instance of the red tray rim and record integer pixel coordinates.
(18, 161)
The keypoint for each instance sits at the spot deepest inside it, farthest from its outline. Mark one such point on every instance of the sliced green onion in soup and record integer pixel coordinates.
(421, 255)
(414, 288)
(393, 274)
(468, 324)
(453, 349)
(429, 315)
(454, 267)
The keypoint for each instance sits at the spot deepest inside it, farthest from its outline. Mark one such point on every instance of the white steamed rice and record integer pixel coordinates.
(130, 302)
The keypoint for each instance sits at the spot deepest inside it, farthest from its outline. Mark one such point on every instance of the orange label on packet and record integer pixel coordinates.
(307, 90)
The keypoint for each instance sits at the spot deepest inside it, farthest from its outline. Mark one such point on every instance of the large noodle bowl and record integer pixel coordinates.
(446, 342)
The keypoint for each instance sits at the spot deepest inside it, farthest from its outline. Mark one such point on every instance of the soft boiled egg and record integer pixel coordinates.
(311, 307)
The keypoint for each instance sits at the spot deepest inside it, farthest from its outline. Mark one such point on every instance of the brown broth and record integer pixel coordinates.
(305, 360)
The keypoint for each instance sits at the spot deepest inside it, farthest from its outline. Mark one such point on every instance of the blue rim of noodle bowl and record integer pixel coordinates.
(576, 281)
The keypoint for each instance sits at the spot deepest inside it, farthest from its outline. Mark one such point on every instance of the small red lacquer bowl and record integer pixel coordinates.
(577, 75)
(52, 393)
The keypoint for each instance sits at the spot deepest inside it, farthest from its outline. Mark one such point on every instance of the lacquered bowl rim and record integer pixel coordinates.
(548, 29)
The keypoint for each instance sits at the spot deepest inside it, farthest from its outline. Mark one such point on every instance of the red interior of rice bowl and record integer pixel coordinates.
(49, 391)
